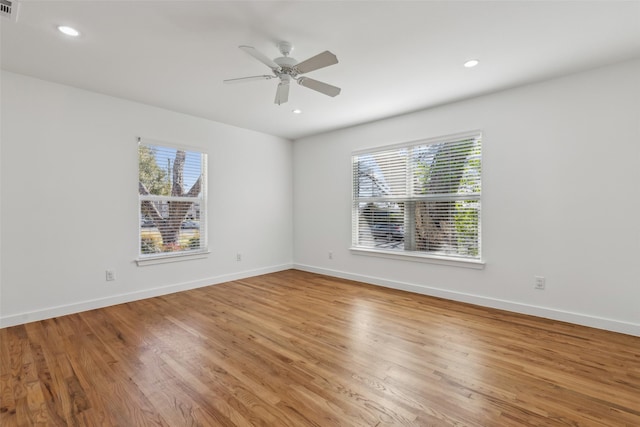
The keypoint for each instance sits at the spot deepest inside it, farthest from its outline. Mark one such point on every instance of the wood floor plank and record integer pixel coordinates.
(301, 349)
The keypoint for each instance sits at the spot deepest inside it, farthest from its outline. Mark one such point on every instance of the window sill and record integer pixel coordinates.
(163, 259)
(419, 257)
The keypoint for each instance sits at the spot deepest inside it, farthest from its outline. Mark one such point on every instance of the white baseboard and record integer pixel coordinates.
(565, 316)
(62, 310)
(548, 313)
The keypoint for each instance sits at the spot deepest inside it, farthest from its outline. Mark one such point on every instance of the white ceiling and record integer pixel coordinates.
(395, 56)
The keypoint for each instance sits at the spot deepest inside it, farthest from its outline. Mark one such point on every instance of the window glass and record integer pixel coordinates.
(420, 198)
(171, 191)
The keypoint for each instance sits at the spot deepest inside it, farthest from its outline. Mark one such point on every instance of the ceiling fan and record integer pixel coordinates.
(287, 69)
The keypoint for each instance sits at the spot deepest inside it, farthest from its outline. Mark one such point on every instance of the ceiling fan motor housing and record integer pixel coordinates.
(287, 65)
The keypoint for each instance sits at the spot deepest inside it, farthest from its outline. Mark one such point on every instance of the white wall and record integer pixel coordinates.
(561, 196)
(70, 209)
(561, 199)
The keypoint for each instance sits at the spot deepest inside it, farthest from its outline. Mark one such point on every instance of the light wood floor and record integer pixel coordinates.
(299, 349)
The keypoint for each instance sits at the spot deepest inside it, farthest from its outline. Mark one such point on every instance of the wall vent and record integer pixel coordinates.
(9, 9)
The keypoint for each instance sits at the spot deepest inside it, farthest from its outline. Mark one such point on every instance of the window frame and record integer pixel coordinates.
(413, 255)
(144, 259)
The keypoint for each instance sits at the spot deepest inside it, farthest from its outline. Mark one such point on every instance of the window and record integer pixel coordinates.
(172, 194)
(420, 199)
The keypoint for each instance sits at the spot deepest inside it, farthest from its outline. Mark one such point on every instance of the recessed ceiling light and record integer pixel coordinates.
(471, 63)
(297, 111)
(68, 31)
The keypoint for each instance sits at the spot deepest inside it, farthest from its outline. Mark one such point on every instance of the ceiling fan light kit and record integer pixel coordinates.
(287, 68)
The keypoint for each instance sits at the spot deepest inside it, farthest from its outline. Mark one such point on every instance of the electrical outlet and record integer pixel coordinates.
(330, 255)
(110, 275)
(539, 282)
(238, 256)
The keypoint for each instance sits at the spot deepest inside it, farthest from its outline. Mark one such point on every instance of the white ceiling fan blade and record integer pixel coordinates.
(260, 57)
(248, 79)
(282, 93)
(321, 60)
(319, 86)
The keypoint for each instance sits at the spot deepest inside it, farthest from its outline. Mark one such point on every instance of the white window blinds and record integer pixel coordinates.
(171, 191)
(422, 197)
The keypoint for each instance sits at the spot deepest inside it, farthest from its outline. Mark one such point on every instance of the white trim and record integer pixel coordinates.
(154, 198)
(201, 200)
(419, 198)
(171, 257)
(513, 306)
(168, 144)
(62, 310)
(420, 257)
(407, 196)
(477, 134)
